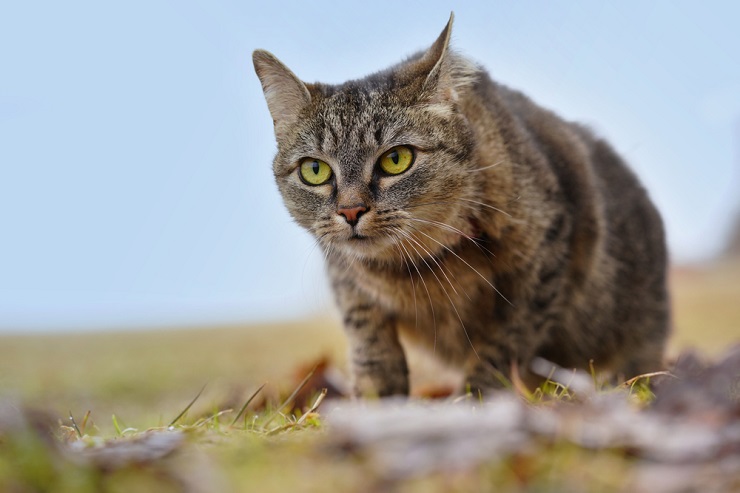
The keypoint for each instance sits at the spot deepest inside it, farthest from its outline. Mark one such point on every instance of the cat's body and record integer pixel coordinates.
(510, 234)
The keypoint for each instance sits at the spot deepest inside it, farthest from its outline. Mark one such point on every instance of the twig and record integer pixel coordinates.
(300, 421)
(315, 406)
(645, 375)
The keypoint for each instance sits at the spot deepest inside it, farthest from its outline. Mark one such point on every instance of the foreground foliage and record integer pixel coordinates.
(679, 433)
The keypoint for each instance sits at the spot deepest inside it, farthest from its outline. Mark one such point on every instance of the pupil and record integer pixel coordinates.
(315, 167)
(394, 156)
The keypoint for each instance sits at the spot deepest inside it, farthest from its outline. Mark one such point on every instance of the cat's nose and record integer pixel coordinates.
(352, 214)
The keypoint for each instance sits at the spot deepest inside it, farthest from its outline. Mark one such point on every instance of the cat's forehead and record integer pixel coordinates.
(352, 123)
(354, 103)
(352, 116)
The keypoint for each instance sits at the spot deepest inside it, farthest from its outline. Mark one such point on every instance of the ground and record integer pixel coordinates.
(102, 412)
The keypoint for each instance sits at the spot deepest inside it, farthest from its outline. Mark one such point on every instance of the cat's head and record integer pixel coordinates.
(376, 168)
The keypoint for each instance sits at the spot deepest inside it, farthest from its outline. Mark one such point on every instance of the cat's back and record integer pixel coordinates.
(593, 176)
(601, 219)
(589, 174)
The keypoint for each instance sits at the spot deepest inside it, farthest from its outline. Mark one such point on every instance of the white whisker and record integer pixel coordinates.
(441, 264)
(485, 167)
(423, 282)
(396, 243)
(447, 227)
(466, 263)
(444, 290)
(483, 204)
(433, 258)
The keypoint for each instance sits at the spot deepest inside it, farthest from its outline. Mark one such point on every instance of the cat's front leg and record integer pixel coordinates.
(378, 361)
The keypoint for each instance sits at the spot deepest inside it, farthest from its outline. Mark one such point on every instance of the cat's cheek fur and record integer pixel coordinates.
(313, 200)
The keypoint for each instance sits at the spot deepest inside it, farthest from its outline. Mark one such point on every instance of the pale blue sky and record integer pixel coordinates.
(135, 144)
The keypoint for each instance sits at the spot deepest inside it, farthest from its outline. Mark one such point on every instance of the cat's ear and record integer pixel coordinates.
(286, 95)
(449, 72)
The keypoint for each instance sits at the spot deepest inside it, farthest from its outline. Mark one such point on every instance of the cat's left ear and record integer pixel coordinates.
(449, 72)
(286, 95)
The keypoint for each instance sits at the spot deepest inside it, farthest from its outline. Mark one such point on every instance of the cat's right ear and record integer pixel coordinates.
(286, 95)
(446, 74)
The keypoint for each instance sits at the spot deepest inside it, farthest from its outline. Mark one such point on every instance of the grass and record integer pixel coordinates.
(225, 394)
(274, 448)
(141, 376)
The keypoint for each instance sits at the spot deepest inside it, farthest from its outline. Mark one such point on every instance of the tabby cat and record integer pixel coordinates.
(455, 212)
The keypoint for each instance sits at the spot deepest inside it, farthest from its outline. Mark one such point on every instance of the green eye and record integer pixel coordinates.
(315, 171)
(397, 160)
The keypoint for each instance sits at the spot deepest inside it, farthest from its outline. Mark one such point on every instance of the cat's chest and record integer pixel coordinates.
(441, 298)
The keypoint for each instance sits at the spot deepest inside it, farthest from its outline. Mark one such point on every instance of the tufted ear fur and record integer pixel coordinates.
(448, 73)
(286, 95)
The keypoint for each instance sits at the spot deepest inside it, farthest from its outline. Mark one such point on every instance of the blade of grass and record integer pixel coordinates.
(518, 384)
(74, 425)
(244, 407)
(290, 397)
(592, 371)
(182, 413)
(116, 425)
(84, 420)
(213, 417)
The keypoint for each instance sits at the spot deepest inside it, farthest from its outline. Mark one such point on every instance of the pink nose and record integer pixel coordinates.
(352, 214)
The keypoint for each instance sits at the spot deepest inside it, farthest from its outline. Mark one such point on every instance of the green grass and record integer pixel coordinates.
(272, 448)
(224, 394)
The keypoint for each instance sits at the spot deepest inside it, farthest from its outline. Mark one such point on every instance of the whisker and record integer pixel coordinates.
(441, 225)
(455, 201)
(483, 204)
(395, 242)
(467, 203)
(327, 247)
(466, 263)
(454, 307)
(454, 230)
(423, 204)
(485, 167)
(433, 258)
(442, 265)
(316, 244)
(423, 282)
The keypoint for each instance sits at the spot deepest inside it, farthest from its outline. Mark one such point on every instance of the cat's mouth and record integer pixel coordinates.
(365, 244)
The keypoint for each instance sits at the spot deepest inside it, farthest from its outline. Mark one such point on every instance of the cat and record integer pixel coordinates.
(457, 213)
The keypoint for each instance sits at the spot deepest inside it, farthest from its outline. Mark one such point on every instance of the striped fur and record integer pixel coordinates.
(514, 234)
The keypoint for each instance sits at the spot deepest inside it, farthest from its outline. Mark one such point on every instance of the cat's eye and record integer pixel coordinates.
(315, 171)
(397, 160)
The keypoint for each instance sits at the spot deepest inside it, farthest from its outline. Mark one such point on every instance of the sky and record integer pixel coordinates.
(136, 147)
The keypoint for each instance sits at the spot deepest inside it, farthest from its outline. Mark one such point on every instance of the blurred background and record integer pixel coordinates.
(136, 146)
